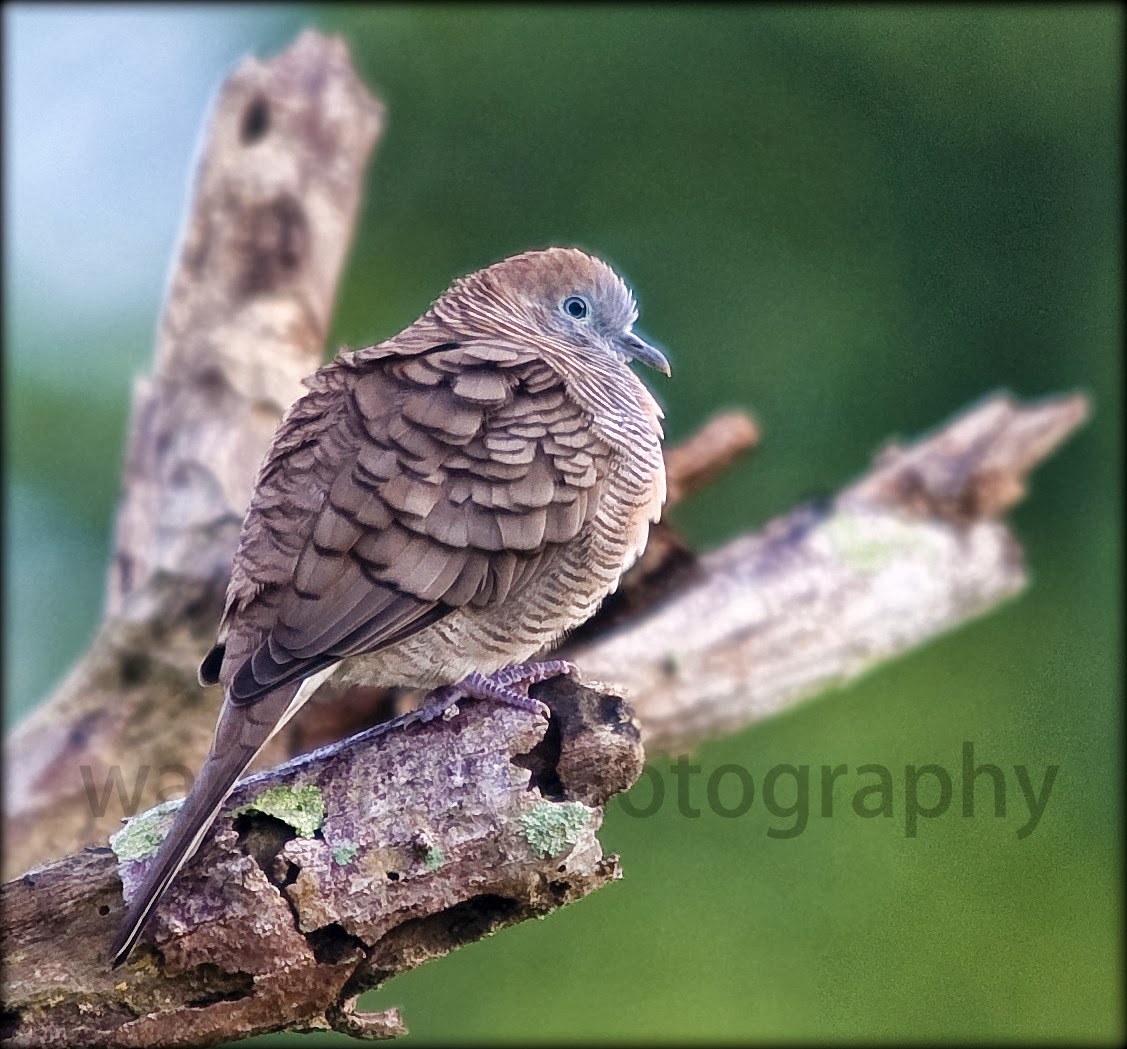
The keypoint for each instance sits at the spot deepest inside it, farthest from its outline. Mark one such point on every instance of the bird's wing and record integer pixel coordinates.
(401, 488)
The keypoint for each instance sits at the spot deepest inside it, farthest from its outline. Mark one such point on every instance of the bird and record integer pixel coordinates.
(438, 509)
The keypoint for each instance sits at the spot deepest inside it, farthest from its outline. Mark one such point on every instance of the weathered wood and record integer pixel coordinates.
(276, 196)
(822, 595)
(433, 834)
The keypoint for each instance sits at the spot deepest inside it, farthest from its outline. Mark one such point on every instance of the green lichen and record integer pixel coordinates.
(435, 857)
(868, 549)
(302, 808)
(142, 835)
(345, 852)
(550, 829)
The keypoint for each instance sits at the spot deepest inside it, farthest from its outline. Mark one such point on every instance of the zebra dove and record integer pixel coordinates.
(442, 506)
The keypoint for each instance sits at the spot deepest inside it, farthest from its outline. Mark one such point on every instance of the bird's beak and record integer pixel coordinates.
(636, 349)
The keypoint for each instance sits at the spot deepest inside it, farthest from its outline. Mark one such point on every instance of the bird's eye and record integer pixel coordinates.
(575, 307)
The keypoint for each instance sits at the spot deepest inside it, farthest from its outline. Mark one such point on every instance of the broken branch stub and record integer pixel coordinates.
(246, 314)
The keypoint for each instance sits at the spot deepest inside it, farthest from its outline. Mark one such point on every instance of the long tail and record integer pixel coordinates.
(240, 734)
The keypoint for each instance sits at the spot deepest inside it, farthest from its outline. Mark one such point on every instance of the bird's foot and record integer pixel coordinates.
(509, 685)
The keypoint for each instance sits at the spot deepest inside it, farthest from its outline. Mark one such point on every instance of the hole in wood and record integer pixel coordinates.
(256, 122)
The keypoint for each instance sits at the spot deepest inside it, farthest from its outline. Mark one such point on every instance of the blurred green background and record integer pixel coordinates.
(852, 221)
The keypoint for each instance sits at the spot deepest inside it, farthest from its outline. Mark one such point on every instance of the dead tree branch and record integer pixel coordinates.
(325, 877)
(247, 312)
(911, 550)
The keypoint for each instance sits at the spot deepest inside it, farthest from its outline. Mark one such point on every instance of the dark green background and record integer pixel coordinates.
(852, 221)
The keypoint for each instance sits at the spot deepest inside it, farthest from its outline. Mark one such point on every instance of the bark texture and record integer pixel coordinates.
(912, 549)
(325, 877)
(245, 320)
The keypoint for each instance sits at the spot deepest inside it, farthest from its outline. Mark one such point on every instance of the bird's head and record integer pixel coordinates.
(567, 297)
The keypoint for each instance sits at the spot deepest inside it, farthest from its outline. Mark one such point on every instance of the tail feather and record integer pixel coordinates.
(239, 736)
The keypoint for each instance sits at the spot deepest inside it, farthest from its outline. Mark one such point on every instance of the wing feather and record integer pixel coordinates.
(401, 487)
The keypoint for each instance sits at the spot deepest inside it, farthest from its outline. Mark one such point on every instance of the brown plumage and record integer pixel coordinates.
(441, 505)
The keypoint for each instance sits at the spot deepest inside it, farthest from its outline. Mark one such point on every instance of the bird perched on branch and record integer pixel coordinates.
(442, 506)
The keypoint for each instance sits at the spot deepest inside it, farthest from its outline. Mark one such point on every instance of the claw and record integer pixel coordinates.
(508, 685)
